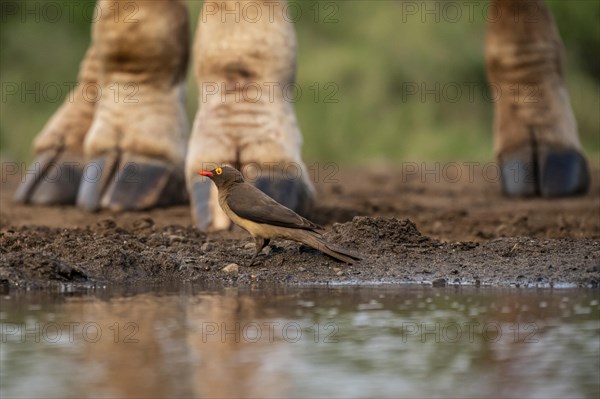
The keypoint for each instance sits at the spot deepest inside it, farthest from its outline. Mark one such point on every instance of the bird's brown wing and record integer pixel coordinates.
(248, 202)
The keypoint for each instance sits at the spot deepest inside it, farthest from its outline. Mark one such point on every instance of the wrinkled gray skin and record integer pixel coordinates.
(140, 146)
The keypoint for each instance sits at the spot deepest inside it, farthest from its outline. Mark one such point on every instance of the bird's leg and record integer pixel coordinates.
(260, 244)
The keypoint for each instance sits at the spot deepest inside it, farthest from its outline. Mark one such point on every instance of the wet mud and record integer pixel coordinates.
(409, 230)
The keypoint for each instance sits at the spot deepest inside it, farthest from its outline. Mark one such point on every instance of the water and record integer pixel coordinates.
(308, 342)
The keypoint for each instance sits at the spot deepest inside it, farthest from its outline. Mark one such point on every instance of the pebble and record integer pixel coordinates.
(439, 282)
(175, 238)
(301, 269)
(207, 246)
(250, 245)
(232, 268)
(340, 273)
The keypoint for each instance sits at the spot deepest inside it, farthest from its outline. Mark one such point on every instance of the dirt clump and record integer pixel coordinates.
(377, 234)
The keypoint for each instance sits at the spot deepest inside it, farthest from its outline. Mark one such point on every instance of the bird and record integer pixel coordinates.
(266, 219)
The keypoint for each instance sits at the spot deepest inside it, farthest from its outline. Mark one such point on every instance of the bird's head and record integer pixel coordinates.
(223, 176)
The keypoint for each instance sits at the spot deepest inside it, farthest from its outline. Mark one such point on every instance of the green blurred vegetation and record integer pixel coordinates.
(367, 51)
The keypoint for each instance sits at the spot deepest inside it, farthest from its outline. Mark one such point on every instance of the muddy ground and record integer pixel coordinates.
(410, 228)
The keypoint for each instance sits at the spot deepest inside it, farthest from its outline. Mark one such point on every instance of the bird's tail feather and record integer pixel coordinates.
(316, 241)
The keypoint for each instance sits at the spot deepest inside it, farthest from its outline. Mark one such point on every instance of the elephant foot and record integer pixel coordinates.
(55, 180)
(130, 182)
(535, 131)
(135, 146)
(542, 171)
(240, 121)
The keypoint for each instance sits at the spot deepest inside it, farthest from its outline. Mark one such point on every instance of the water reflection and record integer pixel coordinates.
(340, 342)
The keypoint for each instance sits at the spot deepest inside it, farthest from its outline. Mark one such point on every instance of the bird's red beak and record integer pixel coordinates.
(206, 173)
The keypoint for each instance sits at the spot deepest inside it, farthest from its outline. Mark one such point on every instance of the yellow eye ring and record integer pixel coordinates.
(218, 171)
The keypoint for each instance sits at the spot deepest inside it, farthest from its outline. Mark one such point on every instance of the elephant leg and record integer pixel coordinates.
(135, 146)
(58, 148)
(535, 133)
(245, 59)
